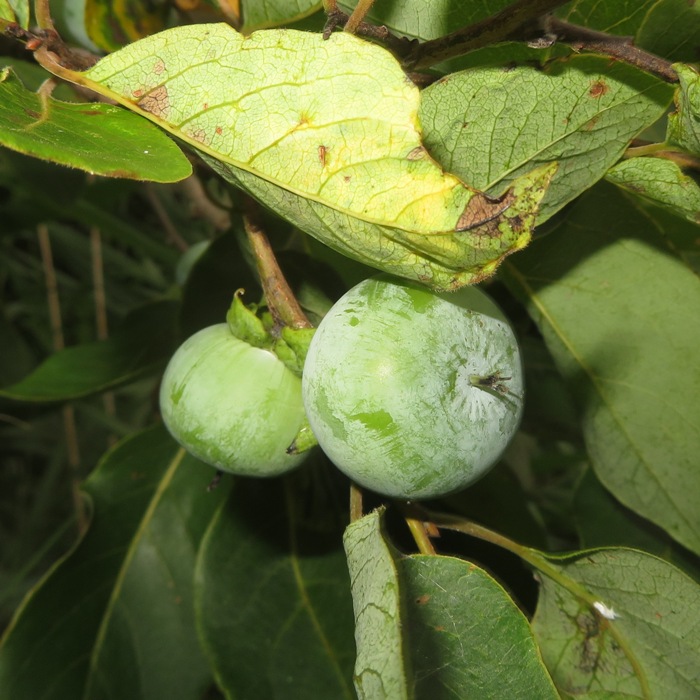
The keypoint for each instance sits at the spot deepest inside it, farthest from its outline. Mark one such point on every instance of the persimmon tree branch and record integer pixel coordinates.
(618, 47)
(280, 299)
(502, 26)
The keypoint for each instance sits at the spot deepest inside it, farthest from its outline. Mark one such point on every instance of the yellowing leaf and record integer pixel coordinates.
(331, 123)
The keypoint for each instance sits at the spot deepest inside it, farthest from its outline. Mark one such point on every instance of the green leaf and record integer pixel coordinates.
(15, 11)
(468, 639)
(258, 15)
(428, 19)
(110, 25)
(668, 28)
(114, 618)
(272, 595)
(642, 642)
(349, 169)
(381, 665)
(142, 345)
(99, 138)
(491, 125)
(662, 182)
(617, 309)
(684, 123)
(602, 521)
(434, 627)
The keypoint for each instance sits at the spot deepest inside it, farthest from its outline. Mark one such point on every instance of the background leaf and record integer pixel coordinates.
(617, 310)
(652, 647)
(272, 591)
(142, 345)
(490, 125)
(668, 28)
(76, 135)
(602, 521)
(115, 617)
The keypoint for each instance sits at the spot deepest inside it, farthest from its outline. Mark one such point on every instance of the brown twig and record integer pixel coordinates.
(69, 427)
(618, 47)
(500, 27)
(355, 502)
(98, 284)
(358, 15)
(280, 299)
(171, 232)
(399, 46)
(203, 206)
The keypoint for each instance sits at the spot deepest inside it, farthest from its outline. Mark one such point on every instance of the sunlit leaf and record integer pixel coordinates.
(684, 123)
(326, 133)
(491, 125)
(99, 138)
(661, 181)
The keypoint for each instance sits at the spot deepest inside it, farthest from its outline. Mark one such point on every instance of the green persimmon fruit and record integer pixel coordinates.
(232, 405)
(413, 394)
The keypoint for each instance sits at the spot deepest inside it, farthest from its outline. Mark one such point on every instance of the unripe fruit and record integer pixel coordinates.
(232, 405)
(410, 393)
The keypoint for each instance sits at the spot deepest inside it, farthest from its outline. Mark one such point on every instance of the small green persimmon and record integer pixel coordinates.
(232, 405)
(410, 393)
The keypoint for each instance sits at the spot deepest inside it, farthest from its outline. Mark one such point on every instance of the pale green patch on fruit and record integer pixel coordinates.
(232, 405)
(410, 393)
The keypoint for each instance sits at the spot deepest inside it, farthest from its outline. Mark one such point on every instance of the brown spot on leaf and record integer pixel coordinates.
(439, 628)
(31, 113)
(219, 131)
(322, 150)
(482, 209)
(347, 178)
(157, 102)
(159, 67)
(137, 93)
(422, 600)
(598, 89)
(199, 135)
(417, 153)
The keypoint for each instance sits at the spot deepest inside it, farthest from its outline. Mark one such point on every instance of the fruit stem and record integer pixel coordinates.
(280, 299)
(355, 502)
(419, 530)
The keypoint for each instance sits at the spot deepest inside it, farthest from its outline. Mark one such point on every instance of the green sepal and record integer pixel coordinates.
(245, 324)
(298, 340)
(304, 440)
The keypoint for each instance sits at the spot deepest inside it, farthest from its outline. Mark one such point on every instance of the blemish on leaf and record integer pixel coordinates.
(347, 178)
(416, 154)
(159, 67)
(31, 113)
(422, 600)
(219, 131)
(322, 150)
(598, 89)
(156, 102)
(199, 135)
(137, 93)
(481, 209)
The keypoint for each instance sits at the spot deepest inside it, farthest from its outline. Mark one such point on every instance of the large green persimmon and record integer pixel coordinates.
(410, 393)
(232, 405)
